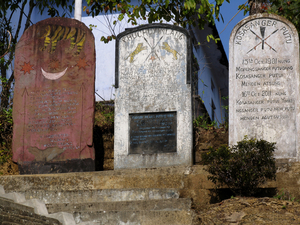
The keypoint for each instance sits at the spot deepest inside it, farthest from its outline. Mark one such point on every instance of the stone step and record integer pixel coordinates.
(106, 195)
(147, 205)
(15, 209)
(14, 214)
(137, 217)
(33, 211)
(11, 204)
(190, 180)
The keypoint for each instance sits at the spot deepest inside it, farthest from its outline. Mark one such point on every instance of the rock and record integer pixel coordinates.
(236, 217)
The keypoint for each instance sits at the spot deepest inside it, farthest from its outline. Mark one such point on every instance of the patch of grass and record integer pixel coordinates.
(285, 195)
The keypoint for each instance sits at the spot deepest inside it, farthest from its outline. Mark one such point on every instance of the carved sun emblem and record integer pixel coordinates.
(81, 63)
(54, 64)
(27, 68)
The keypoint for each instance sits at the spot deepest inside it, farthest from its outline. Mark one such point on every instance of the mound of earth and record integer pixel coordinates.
(237, 211)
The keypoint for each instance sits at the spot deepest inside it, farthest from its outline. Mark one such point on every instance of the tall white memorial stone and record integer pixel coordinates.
(264, 83)
(153, 102)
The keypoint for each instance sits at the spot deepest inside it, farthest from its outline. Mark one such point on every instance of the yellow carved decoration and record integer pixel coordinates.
(169, 49)
(138, 49)
(53, 34)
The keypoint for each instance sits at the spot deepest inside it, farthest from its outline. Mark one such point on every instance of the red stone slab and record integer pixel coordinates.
(53, 108)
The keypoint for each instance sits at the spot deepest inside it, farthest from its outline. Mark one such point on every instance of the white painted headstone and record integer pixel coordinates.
(153, 102)
(264, 83)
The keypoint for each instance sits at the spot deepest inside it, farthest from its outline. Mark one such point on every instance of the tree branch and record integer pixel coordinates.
(28, 21)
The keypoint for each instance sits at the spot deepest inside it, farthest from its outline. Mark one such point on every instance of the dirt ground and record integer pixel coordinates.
(9, 168)
(238, 211)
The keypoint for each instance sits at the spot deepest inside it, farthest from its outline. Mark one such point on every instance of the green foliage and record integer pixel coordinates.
(5, 153)
(92, 26)
(242, 167)
(288, 9)
(226, 107)
(285, 8)
(204, 121)
(183, 13)
(104, 115)
(6, 124)
(8, 116)
(52, 7)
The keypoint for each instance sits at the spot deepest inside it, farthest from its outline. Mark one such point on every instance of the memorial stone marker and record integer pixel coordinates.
(153, 102)
(264, 83)
(54, 98)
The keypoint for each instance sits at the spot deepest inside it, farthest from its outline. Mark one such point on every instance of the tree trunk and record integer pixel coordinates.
(256, 6)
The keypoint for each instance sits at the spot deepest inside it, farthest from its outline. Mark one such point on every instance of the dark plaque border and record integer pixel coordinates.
(151, 133)
(67, 166)
(151, 26)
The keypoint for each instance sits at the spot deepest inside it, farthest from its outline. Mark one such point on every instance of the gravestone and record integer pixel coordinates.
(53, 109)
(264, 83)
(153, 102)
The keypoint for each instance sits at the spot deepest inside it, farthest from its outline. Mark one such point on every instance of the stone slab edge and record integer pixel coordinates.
(33, 206)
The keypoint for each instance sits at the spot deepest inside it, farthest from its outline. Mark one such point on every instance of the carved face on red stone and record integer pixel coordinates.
(54, 93)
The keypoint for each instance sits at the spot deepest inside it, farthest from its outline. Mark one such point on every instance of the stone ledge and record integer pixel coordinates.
(190, 180)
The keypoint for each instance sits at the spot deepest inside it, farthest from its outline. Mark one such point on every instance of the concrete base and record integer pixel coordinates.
(144, 205)
(141, 217)
(190, 181)
(74, 165)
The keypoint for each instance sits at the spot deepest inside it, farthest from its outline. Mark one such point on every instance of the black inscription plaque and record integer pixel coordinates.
(152, 133)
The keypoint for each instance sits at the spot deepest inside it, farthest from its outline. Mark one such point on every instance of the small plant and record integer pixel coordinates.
(5, 153)
(226, 107)
(104, 115)
(6, 123)
(284, 195)
(204, 122)
(242, 167)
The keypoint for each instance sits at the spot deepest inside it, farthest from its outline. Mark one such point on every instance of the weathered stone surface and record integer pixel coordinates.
(54, 98)
(153, 104)
(13, 213)
(110, 195)
(264, 83)
(140, 205)
(140, 217)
